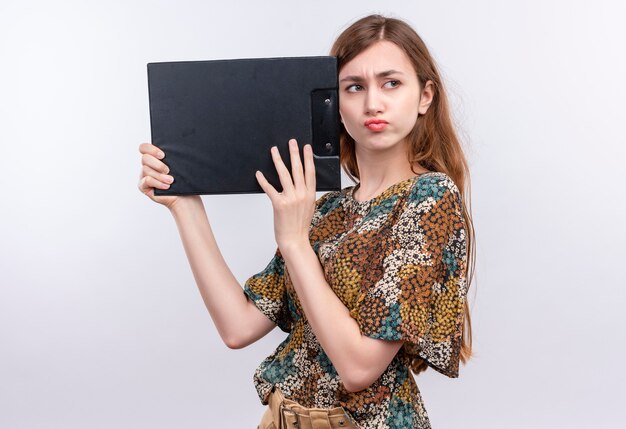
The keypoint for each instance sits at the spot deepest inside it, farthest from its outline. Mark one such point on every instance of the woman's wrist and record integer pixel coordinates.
(295, 249)
(185, 204)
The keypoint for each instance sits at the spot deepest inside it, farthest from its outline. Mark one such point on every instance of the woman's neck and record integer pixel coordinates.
(379, 170)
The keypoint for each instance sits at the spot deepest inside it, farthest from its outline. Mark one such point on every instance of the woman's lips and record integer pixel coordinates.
(376, 125)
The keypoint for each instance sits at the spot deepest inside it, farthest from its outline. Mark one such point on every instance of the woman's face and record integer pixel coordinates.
(380, 97)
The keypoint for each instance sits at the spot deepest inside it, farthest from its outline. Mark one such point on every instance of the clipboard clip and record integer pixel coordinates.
(325, 124)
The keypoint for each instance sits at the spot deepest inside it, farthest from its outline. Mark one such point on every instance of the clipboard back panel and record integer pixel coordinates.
(217, 120)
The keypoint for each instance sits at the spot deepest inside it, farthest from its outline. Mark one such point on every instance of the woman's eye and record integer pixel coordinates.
(392, 84)
(354, 88)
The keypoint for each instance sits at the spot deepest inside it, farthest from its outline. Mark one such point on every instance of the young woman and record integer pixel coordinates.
(371, 281)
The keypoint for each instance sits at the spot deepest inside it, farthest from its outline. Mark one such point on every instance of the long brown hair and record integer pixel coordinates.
(433, 143)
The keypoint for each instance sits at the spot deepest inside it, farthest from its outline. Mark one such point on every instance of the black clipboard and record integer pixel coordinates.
(217, 120)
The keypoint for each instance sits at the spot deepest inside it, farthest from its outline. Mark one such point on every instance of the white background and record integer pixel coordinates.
(101, 324)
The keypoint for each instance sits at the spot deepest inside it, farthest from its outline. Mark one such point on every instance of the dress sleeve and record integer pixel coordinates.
(267, 291)
(420, 296)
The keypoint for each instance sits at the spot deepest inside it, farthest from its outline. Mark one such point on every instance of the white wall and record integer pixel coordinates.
(101, 324)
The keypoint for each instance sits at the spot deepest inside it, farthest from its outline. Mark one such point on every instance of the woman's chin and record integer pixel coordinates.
(378, 142)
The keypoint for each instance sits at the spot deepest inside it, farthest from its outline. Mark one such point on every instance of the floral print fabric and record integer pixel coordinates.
(397, 262)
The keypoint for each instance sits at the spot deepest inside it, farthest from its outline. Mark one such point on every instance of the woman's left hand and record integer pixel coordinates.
(294, 206)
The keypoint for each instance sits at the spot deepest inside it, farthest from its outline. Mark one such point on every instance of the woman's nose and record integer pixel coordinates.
(373, 102)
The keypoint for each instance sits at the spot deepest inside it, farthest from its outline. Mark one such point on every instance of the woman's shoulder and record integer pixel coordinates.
(329, 198)
(329, 202)
(433, 184)
(325, 204)
(435, 179)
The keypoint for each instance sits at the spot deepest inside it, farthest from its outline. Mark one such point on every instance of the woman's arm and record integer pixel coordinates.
(358, 359)
(238, 321)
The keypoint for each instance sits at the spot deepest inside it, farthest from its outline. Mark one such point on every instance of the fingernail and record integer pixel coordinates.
(169, 179)
(161, 155)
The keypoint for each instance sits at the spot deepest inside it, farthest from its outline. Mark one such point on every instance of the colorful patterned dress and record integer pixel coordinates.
(397, 262)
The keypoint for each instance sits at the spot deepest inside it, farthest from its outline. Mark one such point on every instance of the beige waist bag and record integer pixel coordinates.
(284, 413)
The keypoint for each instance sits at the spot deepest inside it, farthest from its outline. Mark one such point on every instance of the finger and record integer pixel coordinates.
(148, 182)
(283, 172)
(155, 164)
(296, 164)
(148, 171)
(266, 186)
(309, 167)
(151, 150)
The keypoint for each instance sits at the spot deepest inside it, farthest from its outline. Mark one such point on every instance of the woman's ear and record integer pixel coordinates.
(426, 98)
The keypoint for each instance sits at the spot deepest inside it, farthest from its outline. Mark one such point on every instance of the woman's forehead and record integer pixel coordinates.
(378, 59)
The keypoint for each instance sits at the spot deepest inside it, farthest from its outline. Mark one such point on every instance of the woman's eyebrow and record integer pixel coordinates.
(385, 73)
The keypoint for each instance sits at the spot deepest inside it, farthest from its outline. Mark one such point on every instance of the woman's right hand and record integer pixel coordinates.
(154, 174)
